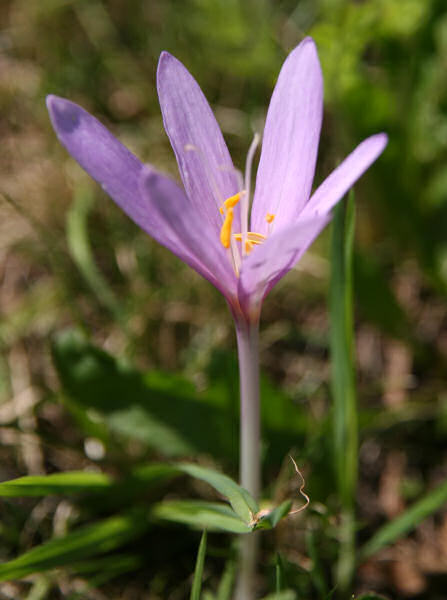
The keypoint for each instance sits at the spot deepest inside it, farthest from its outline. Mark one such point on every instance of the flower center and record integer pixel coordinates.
(250, 238)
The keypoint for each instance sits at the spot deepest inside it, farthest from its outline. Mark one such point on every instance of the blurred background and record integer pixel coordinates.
(113, 352)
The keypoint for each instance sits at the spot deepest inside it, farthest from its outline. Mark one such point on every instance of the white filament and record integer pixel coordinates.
(245, 198)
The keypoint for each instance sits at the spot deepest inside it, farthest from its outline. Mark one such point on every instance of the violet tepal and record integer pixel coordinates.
(243, 246)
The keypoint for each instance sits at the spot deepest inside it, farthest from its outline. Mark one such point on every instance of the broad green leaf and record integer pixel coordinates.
(198, 573)
(407, 521)
(57, 483)
(162, 411)
(201, 515)
(272, 519)
(242, 502)
(90, 540)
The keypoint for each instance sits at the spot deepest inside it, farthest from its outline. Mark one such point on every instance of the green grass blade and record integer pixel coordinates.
(317, 575)
(279, 573)
(57, 483)
(107, 564)
(97, 572)
(72, 482)
(225, 589)
(343, 383)
(40, 589)
(407, 521)
(81, 252)
(342, 351)
(90, 540)
(198, 573)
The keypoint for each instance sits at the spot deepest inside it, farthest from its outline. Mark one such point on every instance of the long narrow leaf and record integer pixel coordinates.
(90, 540)
(317, 574)
(342, 352)
(407, 521)
(198, 573)
(343, 384)
(72, 482)
(279, 574)
(56, 483)
(81, 251)
(226, 583)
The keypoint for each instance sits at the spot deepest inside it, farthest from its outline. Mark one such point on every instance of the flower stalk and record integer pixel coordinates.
(247, 334)
(248, 355)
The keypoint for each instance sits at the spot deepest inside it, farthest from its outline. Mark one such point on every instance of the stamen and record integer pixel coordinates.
(225, 231)
(256, 238)
(269, 217)
(252, 237)
(232, 200)
(227, 241)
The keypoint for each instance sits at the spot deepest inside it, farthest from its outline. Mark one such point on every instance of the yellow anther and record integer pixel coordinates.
(225, 231)
(256, 238)
(232, 200)
(269, 217)
(221, 210)
(248, 246)
(252, 237)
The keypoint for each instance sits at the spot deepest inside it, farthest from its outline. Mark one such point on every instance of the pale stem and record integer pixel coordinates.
(250, 464)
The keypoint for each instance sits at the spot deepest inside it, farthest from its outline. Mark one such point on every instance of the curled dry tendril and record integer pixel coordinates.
(301, 490)
(264, 512)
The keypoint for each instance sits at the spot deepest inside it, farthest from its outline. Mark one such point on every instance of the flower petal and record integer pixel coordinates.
(204, 162)
(119, 172)
(268, 263)
(177, 226)
(103, 157)
(344, 176)
(292, 131)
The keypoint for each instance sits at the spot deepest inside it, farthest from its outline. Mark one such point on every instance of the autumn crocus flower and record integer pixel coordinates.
(207, 223)
(242, 247)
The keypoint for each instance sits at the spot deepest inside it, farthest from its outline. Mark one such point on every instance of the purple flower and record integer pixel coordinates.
(207, 224)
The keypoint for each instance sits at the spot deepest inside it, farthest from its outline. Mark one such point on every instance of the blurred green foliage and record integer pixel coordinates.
(156, 356)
